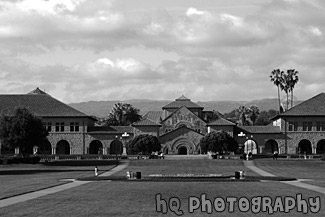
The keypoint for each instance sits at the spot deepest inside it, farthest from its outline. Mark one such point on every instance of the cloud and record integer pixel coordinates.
(220, 54)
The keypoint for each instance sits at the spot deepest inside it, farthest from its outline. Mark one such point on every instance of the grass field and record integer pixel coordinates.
(16, 179)
(302, 169)
(116, 198)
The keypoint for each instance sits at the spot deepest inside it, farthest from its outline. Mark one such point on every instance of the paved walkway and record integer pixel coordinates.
(250, 165)
(51, 190)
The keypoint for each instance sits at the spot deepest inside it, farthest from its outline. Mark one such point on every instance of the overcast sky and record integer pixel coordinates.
(81, 50)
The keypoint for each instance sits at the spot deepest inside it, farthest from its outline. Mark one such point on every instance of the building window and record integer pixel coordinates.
(48, 127)
(293, 126)
(59, 127)
(320, 126)
(74, 126)
(307, 126)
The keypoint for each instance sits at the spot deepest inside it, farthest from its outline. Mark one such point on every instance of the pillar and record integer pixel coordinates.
(53, 151)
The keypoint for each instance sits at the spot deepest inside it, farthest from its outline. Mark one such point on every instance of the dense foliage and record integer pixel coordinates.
(23, 131)
(123, 114)
(219, 142)
(143, 144)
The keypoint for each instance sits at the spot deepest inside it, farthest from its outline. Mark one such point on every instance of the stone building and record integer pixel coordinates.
(303, 127)
(179, 127)
(70, 131)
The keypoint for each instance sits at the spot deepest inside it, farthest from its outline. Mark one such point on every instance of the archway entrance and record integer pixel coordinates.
(63, 147)
(320, 147)
(96, 147)
(116, 147)
(45, 148)
(271, 146)
(304, 147)
(182, 150)
(7, 150)
(250, 146)
(165, 150)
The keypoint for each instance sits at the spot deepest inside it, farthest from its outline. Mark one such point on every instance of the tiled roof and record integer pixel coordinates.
(314, 106)
(154, 116)
(221, 122)
(111, 129)
(145, 122)
(260, 129)
(42, 105)
(174, 112)
(182, 101)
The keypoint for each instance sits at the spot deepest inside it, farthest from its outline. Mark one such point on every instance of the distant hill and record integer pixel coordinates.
(102, 108)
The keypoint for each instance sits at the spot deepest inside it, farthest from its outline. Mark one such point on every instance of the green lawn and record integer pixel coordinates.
(21, 178)
(117, 198)
(200, 166)
(300, 169)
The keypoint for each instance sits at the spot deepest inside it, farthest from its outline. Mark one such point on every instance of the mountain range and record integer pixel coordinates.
(101, 109)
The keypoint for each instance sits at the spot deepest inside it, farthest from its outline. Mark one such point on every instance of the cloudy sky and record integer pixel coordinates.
(81, 50)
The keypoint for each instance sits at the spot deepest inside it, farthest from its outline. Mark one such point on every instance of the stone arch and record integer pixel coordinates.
(182, 150)
(7, 150)
(304, 146)
(45, 148)
(63, 147)
(271, 146)
(184, 142)
(166, 149)
(250, 146)
(116, 147)
(182, 124)
(320, 149)
(96, 147)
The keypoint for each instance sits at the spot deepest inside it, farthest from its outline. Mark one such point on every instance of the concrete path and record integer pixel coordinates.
(250, 165)
(122, 165)
(51, 190)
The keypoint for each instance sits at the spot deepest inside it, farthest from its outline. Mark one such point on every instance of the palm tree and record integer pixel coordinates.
(286, 87)
(254, 113)
(243, 116)
(123, 114)
(277, 79)
(292, 80)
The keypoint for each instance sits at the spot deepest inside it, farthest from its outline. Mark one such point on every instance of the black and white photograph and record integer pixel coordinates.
(162, 108)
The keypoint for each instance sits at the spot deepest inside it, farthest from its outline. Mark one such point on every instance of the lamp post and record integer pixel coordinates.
(125, 135)
(241, 134)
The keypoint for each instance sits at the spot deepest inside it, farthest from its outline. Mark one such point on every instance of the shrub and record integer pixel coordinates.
(1, 161)
(323, 158)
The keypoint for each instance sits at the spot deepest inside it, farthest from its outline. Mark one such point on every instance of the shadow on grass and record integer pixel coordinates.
(29, 172)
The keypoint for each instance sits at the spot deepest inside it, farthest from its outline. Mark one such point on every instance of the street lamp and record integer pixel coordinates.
(125, 135)
(241, 134)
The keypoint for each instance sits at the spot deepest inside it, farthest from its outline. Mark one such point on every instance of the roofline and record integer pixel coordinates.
(183, 106)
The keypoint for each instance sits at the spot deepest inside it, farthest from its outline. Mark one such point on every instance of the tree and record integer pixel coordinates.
(144, 144)
(277, 79)
(254, 113)
(220, 142)
(23, 131)
(292, 80)
(123, 114)
(243, 114)
(265, 117)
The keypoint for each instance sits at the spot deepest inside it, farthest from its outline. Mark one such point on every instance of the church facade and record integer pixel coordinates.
(179, 127)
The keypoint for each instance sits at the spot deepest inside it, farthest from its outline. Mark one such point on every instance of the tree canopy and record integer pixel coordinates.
(123, 114)
(220, 142)
(144, 144)
(23, 131)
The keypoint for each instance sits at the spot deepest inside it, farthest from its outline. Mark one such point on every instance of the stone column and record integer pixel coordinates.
(70, 150)
(16, 150)
(53, 151)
